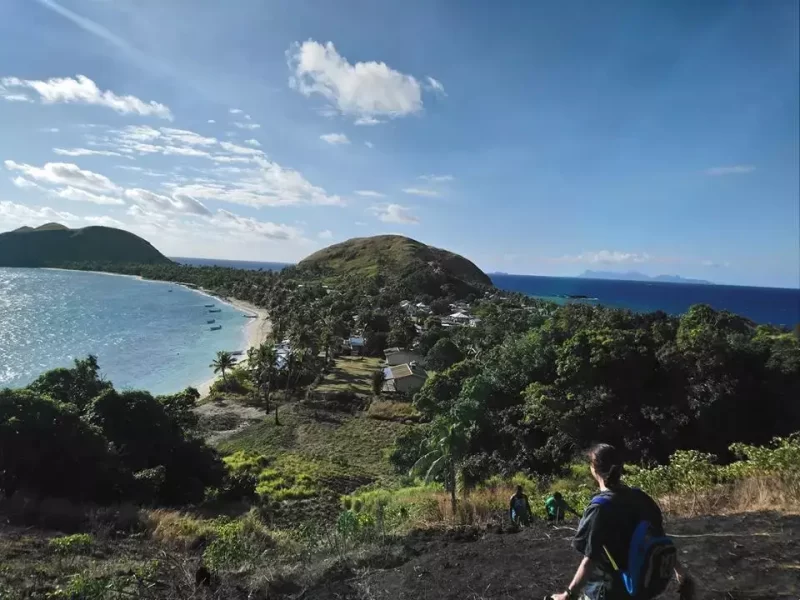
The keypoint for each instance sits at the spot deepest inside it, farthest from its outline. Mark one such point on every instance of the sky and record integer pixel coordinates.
(532, 137)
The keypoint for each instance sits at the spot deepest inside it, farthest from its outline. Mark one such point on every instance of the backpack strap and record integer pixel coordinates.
(600, 500)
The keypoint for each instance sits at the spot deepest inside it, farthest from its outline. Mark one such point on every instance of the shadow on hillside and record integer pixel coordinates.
(738, 557)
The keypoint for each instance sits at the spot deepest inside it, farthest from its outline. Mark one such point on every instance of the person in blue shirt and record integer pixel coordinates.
(520, 508)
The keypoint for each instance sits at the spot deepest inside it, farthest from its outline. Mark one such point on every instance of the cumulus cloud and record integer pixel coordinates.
(9, 97)
(395, 213)
(66, 174)
(77, 195)
(731, 170)
(185, 136)
(606, 257)
(369, 144)
(325, 234)
(269, 230)
(178, 203)
(25, 184)
(236, 111)
(422, 192)
(104, 221)
(18, 214)
(253, 142)
(84, 152)
(370, 194)
(237, 149)
(248, 126)
(334, 138)
(363, 90)
(211, 121)
(82, 90)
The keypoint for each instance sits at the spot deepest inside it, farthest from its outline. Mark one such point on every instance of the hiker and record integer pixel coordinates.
(520, 508)
(621, 537)
(557, 508)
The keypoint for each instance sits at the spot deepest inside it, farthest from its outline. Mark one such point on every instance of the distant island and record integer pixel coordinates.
(636, 276)
(54, 245)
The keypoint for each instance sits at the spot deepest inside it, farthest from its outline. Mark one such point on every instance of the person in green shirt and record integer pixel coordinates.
(557, 508)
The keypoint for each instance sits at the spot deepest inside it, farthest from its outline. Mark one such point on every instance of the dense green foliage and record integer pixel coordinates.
(541, 383)
(72, 435)
(56, 246)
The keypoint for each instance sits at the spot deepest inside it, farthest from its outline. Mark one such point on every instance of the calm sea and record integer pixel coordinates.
(232, 264)
(144, 335)
(778, 306)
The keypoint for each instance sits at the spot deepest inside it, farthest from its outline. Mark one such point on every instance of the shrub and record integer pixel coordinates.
(78, 543)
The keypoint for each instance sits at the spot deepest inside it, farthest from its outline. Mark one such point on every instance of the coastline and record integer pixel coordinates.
(256, 332)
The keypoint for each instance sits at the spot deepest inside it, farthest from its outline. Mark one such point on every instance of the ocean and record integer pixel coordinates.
(144, 335)
(777, 306)
(249, 265)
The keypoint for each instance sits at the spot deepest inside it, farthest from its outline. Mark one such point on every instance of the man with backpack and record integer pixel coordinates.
(621, 537)
(520, 508)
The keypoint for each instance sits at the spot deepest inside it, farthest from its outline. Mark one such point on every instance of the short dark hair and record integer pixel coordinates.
(557, 496)
(519, 489)
(607, 462)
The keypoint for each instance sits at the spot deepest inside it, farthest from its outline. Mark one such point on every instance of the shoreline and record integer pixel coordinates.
(255, 332)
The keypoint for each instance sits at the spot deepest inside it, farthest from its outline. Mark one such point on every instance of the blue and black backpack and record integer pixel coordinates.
(652, 557)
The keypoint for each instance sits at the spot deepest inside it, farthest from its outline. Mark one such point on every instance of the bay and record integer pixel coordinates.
(146, 334)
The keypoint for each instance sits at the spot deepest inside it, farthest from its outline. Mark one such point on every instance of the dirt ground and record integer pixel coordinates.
(743, 557)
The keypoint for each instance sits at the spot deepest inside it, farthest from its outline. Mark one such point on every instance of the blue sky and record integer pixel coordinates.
(533, 137)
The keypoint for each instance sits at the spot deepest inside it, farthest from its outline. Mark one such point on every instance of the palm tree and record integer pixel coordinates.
(261, 361)
(444, 457)
(223, 362)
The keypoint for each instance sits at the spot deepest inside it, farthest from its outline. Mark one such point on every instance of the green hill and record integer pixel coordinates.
(399, 260)
(54, 245)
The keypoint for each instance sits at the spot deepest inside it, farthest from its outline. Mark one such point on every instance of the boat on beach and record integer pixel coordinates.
(211, 321)
(209, 305)
(215, 310)
(215, 328)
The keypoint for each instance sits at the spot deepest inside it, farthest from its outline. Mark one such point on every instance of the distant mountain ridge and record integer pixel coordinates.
(636, 276)
(54, 245)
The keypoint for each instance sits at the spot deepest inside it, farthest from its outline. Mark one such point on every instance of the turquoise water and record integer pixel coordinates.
(144, 335)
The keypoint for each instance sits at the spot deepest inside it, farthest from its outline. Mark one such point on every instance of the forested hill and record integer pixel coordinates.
(54, 245)
(400, 261)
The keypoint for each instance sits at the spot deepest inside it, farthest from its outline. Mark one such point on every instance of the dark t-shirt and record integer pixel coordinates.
(611, 524)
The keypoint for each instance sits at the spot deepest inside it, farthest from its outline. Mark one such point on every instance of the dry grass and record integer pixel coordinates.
(752, 494)
(387, 410)
(178, 530)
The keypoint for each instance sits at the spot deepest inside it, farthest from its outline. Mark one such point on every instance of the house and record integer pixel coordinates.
(400, 356)
(460, 318)
(357, 346)
(404, 379)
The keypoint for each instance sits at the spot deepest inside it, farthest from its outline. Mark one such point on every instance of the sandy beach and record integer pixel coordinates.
(256, 332)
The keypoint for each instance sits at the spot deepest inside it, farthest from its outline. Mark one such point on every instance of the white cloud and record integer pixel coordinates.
(237, 149)
(253, 142)
(325, 234)
(606, 257)
(178, 203)
(360, 223)
(715, 265)
(66, 174)
(364, 89)
(395, 213)
(368, 121)
(248, 126)
(422, 192)
(272, 231)
(84, 152)
(369, 144)
(211, 121)
(105, 221)
(236, 111)
(334, 138)
(187, 137)
(25, 184)
(435, 86)
(50, 130)
(9, 97)
(77, 195)
(370, 194)
(12, 214)
(437, 178)
(83, 90)
(732, 170)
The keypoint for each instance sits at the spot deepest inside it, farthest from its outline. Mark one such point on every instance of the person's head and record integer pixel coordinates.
(519, 490)
(557, 496)
(606, 464)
